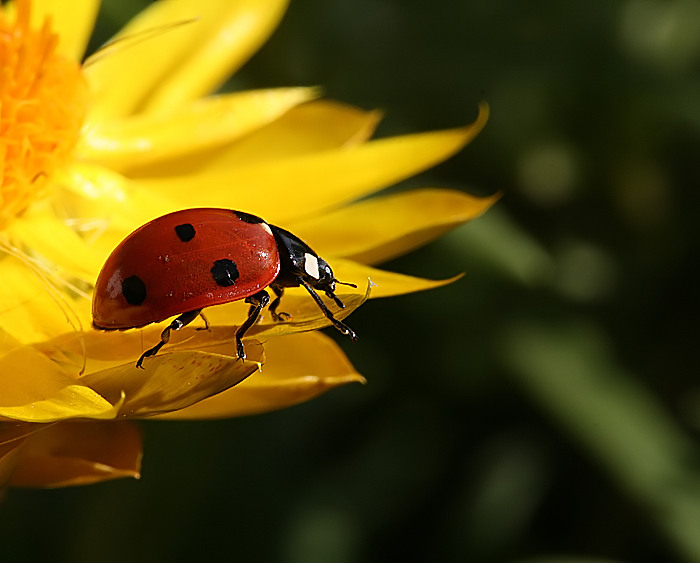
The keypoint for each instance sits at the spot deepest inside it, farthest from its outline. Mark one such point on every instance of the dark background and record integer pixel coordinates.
(543, 408)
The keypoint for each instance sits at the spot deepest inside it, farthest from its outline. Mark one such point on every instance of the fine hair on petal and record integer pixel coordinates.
(118, 44)
(48, 278)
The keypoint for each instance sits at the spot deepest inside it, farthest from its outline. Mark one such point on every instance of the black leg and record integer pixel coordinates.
(278, 291)
(206, 322)
(177, 324)
(342, 327)
(258, 301)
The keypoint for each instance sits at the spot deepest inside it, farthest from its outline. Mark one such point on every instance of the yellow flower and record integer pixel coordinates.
(90, 152)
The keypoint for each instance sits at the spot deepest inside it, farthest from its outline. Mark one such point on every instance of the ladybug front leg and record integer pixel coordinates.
(258, 302)
(177, 324)
(342, 327)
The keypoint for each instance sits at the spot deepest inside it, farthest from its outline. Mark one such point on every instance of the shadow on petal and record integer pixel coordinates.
(79, 453)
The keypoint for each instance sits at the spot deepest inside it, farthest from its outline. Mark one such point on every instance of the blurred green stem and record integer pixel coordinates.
(569, 371)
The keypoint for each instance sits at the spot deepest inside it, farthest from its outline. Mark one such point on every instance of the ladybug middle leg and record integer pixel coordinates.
(257, 303)
(279, 292)
(177, 324)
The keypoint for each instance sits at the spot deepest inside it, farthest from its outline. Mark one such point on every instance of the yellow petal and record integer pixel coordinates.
(171, 381)
(139, 140)
(8, 342)
(103, 206)
(305, 314)
(98, 351)
(383, 282)
(303, 186)
(40, 234)
(73, 24)
(230, 32)
(308, 128)
(176, 51)
(298, 368)
(34, 389)
(384, 227)
(79, 453)
(32, 308)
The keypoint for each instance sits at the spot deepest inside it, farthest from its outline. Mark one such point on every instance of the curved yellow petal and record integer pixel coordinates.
(104, 206)
(171, 381)
(33, 308)
(381, 228)
(176, 51)
(140, 140)
(40, 234)
(384, 283)
(79, 453)
(307, 128)
(129, 67)
(305, 185)
(298, 367)
(35, 389)
(73, 22)
(296, 302)
(230, 32)
(99, 351)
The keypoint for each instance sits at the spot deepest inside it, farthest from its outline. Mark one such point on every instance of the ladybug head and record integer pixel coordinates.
(326, 281)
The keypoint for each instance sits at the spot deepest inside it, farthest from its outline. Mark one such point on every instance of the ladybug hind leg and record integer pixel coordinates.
(177, 324)
(206, 322)
(257, 303)
(278, 291)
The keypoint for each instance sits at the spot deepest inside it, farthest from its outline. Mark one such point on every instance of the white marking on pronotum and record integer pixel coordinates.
(311, 265)
(267, 228)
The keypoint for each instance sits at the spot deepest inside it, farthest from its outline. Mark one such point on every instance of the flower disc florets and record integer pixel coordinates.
(42, 107)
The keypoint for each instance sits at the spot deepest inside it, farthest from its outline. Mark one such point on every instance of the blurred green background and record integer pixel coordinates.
(545, 408)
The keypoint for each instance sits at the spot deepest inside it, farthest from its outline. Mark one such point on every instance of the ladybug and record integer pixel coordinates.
(185, 261)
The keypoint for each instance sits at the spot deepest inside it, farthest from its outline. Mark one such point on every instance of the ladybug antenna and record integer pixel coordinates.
(333, 296)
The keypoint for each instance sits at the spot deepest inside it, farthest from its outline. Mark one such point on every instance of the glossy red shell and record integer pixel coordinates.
(174, 276)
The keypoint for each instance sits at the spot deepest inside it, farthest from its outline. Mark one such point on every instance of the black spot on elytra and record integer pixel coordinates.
(248, 218)
(225, 272)
(134, 290)
(185, 232)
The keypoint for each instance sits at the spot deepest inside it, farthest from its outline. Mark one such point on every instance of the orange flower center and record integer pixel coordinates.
(42, 106)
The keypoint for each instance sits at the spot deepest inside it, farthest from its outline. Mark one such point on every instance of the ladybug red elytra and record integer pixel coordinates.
(185, 261)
